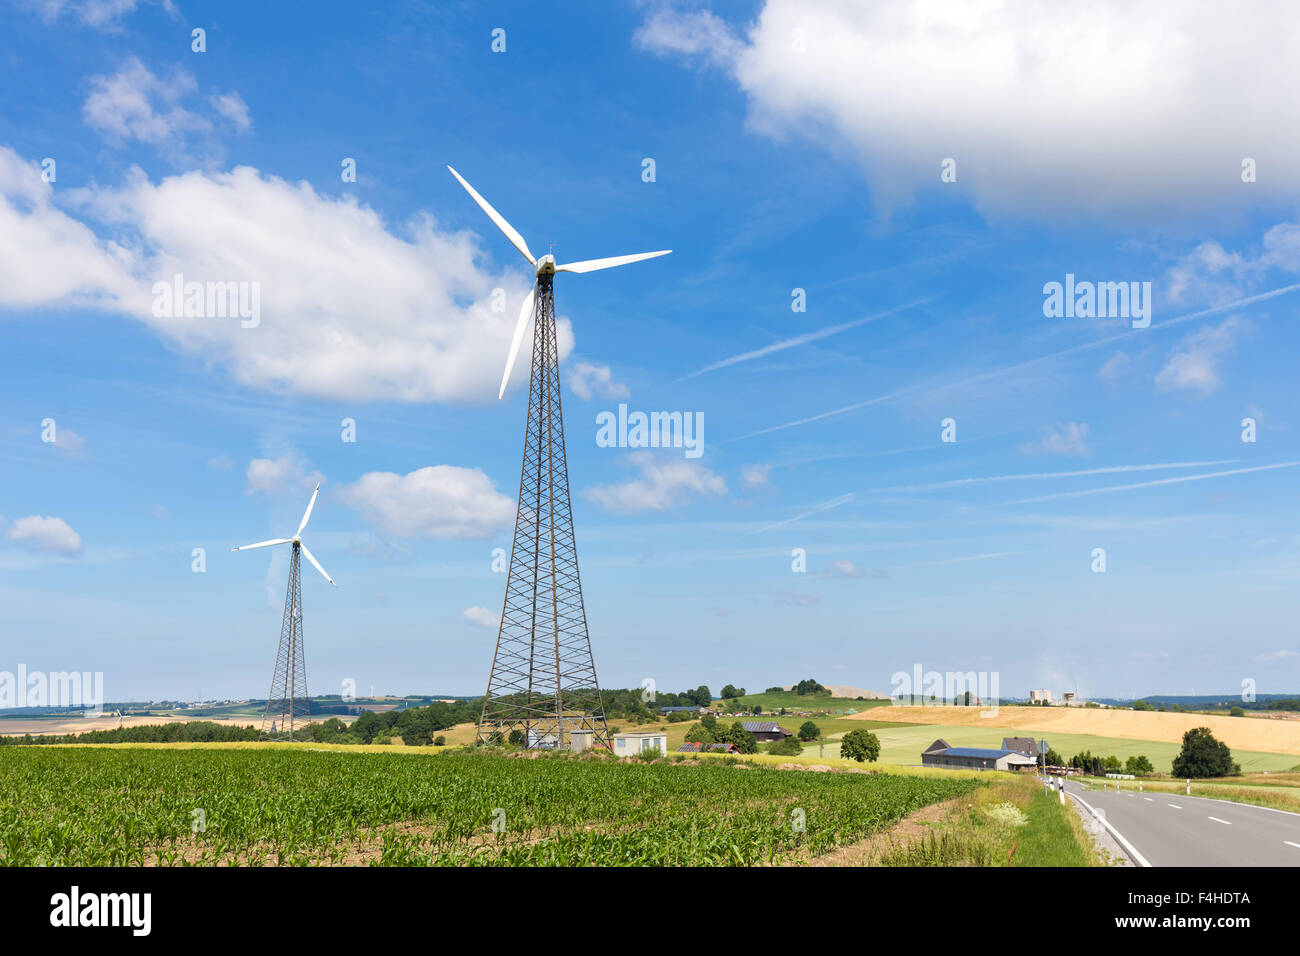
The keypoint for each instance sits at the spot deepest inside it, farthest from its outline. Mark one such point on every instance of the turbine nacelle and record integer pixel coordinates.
(296, 540)
(545, 266)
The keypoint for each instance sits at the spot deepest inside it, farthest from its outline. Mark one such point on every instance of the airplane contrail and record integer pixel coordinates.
(1112, 469)
(801, 339)
(1177, 320)
(1150, 484)
(824, 506)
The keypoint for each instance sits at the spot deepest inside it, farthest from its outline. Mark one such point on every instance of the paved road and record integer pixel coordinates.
(1170, 829)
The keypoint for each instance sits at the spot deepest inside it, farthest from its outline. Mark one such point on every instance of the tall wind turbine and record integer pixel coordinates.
(288, 711)
(543, 679)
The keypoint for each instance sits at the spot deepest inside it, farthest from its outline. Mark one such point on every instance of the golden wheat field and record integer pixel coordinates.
(1272, 735)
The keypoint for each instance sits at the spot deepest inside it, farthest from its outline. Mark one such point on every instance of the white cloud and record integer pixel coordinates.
(1102, 109)
(481, 617)
(232, 106)
(350, 308)
(662, 485)
(220, 463)
(1211, 274)
(441, 501)
(1114, 367)
(586, 380)
(843, 569)
(102, 14)
(68, 442)
(1193, 364)
(1281, 655)
(1070, 438)
(277, 475)
(45, 535)
(135, 104)
(754, 476)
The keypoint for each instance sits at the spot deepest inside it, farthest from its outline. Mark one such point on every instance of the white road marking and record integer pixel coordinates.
(1137, 857)
(1175, 806)
(1148, 799)
(1289, 843)
(1217, 820)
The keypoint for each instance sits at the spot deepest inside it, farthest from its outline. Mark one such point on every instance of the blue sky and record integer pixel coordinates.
(794, 147)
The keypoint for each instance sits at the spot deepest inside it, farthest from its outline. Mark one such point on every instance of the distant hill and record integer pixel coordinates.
(845, 691)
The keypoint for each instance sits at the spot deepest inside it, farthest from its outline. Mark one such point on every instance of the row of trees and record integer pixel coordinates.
(191, 731)
(1098, 765)
(1202, 755)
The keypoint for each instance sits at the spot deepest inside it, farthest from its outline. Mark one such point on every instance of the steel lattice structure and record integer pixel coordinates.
(543, 680)
(288, 713)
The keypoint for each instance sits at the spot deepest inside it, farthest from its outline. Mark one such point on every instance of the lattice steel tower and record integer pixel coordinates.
(288, 715)
(288, 711)
(543, 680)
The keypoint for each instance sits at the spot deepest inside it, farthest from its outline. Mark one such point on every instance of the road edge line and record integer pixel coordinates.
(1137, 857)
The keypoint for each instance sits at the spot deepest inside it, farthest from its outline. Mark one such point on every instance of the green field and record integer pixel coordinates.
(304, 804)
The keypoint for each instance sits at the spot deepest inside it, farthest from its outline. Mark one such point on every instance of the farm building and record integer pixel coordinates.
(939, 754)
(693, 748)
(693, 708)
(1021, 745)
(630, 744)
(765, 730)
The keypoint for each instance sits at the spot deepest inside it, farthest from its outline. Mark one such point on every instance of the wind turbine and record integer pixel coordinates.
(542, 689)
(287, 704)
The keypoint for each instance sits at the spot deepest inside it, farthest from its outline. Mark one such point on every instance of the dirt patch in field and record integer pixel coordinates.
(869, 851)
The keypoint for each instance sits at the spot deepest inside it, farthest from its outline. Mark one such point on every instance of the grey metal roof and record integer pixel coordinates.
(977, 752)
(762, 726)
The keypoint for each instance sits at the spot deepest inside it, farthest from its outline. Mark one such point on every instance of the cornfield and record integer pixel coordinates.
(85, 806)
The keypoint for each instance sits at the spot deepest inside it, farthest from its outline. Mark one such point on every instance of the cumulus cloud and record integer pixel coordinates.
(68, 442)
(663, 484)
(1105, 109)
(105, 15)
(754, 476)
(45, 535)
(232, 106)
(842, 569)
(1212, 275)
(481, 617)
(587, 380)
(1070, 438)
(440, 501)
(1193, 364)
(133, 104)
(351, 308)
(1114, 367)
(276, 475)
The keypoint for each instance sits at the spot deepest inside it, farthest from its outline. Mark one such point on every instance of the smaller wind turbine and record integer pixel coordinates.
(287, 703)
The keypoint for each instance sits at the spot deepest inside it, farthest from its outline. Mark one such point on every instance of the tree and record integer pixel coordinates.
(1112, 765)
(1237, 712)
(730, 692)
(809, 686)
(698, 734)
(1138, 765)
(1053, 758)
(1142, 705)
(701, 696)
(758, 709)
(1204, 756)
(809, 731)
(860, 745)
(738, 735)
(709, 722)
(786, 747)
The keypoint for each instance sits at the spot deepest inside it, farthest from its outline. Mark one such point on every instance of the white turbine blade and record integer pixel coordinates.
(525, 314)
(315, 563)
(263, 544)
(591, 265)
(511, 233)
(307, 514)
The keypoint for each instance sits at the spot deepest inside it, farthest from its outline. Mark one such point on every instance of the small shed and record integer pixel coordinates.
(631, 744)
